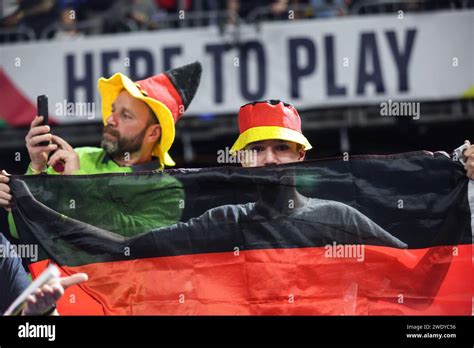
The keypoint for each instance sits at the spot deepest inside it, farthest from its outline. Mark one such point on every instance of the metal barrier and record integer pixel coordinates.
(85, 26)
(199, 17)
(266, 11)
(397, 4)
(24, 32)
(166, 22)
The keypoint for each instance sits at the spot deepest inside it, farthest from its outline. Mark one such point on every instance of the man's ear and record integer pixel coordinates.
(301, 154)
(153, 134)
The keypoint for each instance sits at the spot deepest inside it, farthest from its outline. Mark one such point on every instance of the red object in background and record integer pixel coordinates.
(17, 110)
(172, 4)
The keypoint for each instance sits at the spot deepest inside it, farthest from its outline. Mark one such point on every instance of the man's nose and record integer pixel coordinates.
(269, 157)
(111, 120)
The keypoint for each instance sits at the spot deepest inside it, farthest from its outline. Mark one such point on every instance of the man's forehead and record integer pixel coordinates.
(124, 95)
(124, 98)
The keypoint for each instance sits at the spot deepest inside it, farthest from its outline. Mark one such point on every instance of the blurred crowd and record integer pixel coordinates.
(45, 19)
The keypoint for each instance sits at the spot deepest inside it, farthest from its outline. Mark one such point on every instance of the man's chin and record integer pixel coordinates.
(109, 147)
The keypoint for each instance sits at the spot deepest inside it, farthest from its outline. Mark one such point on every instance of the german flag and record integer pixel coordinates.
(365, 235)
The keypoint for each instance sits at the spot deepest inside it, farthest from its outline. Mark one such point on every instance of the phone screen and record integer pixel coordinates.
(42, 106)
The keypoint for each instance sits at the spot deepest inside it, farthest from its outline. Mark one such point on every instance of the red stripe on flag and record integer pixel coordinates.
(295, 281)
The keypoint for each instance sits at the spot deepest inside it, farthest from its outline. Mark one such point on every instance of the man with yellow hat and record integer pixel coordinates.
(139, 125)
(139, 129)
(270, 132)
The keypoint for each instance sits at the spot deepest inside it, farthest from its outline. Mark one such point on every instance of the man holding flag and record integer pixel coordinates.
(139, 128)
(270, 133)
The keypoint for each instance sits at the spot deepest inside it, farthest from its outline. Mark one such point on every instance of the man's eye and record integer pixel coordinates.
(257, 149)
(282, 147)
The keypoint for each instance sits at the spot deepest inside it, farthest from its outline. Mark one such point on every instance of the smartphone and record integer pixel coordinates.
(42, 106)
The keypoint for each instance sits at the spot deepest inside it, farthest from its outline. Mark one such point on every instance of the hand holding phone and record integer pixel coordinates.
(38, 139)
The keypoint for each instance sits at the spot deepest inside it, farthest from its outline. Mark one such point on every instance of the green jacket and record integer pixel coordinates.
(112, 202)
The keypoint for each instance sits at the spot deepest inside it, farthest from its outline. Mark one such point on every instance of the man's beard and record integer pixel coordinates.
(121, 145)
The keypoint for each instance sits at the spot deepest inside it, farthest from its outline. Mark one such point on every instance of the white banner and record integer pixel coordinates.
(310, 63)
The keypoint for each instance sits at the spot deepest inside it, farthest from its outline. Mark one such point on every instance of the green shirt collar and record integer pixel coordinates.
(154, 164)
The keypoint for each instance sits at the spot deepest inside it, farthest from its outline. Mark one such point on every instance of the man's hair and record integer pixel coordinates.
(152, 119)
